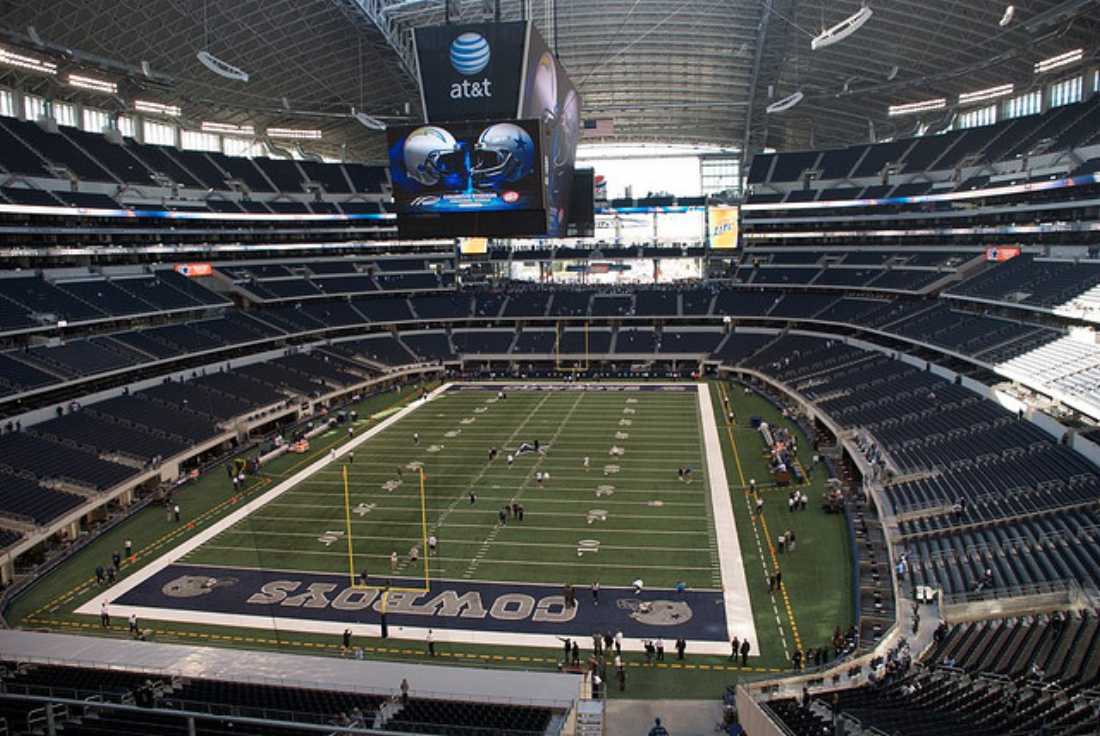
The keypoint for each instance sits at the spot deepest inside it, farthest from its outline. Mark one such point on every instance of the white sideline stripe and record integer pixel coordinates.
(408, 633)
(204, 536)
(735, 586)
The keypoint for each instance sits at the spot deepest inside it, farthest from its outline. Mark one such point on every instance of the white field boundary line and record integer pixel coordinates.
(335, 628)
(735, 586)
(204, 536)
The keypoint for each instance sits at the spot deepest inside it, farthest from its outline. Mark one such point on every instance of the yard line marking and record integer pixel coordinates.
(527, 479)
(381, 556)
(527, 527)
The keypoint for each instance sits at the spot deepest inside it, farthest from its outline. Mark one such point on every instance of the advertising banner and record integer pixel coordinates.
(470, 71)
(1001, 253)
(722, 223)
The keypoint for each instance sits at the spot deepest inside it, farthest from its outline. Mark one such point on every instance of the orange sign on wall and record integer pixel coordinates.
(193, 270)
(1003, 253)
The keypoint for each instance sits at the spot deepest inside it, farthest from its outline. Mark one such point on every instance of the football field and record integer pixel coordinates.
(610, 509)
(624, 517)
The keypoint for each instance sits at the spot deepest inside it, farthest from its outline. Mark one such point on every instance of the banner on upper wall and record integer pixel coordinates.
(473, 246)
(722, 227)
(470, 71)
(194, 270)
(1000, 254)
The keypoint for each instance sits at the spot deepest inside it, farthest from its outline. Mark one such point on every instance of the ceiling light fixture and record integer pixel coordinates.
(157, 108)
(228, 129)
(1054, 62)
(303, 134)
(915, 107)
(96, 85)
(30, 63)
(1007, 17)
(981, 95)
(841, 30)
(369, 122)
(221, 68)
(785, 104)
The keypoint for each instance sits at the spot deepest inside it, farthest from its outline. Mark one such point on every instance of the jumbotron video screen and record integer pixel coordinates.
(467, 169)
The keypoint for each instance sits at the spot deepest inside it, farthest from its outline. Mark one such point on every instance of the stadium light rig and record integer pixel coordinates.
(156, 108)
(1054, 62)
(914, 107)
(227, 129)
(221, 68)
(785, 104)
(96, 85)
(371, 123)
(302, 134)
(841, 30)
(30, 63)
(982, 95)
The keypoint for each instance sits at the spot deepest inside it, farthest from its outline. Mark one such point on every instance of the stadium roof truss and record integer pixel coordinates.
(687, 71)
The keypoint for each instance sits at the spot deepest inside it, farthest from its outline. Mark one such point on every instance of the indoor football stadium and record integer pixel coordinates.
(549, 367)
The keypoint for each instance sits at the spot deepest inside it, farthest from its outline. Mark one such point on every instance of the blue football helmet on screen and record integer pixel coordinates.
(431, 153)
(504, 154)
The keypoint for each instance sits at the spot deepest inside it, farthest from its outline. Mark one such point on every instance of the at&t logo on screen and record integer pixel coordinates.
(470, 55)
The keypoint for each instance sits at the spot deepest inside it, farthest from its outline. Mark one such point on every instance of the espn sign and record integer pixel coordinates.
(194, 270)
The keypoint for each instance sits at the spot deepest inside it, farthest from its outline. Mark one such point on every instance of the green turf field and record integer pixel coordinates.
(647, 523)
(818, 576)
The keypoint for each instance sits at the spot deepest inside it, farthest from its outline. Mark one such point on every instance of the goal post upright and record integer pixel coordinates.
(347, 522)
(424, 528)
